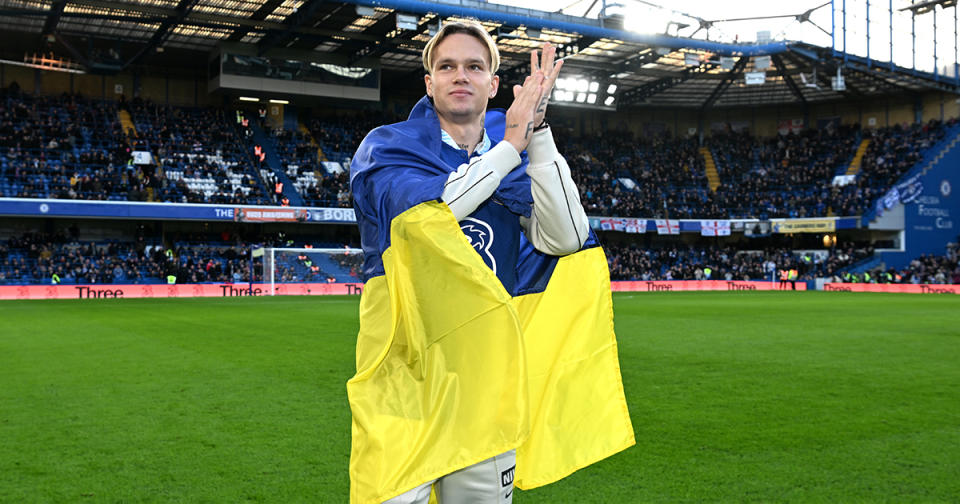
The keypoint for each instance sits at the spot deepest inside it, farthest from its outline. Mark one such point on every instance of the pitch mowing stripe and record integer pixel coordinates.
(735, 397)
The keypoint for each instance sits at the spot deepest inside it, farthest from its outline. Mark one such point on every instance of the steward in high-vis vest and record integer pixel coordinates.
(792, 275)
(784, 278)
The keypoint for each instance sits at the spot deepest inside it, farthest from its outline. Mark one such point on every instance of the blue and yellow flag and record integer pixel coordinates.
(452, 369)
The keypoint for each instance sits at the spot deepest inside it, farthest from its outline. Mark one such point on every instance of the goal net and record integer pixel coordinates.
(310, 265)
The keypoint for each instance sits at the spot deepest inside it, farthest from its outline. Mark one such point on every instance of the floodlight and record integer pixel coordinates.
(594, 86)
(581, 97)
(609, 101)
(592, 98)
(612, 88)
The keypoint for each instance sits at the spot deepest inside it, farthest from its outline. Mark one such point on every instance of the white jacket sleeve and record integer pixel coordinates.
(558, 224)
(475, 181)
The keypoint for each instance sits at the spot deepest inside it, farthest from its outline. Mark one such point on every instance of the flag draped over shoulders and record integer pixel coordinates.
(452, 369)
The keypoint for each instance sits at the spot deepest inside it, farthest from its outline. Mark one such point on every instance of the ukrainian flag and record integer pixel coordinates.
(452, 369)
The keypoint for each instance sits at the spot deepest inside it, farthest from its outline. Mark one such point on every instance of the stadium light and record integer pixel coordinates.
(280, 102)
(248, 98)
(578, 89)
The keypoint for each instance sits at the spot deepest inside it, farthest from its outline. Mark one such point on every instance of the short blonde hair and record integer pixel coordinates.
(470, 28)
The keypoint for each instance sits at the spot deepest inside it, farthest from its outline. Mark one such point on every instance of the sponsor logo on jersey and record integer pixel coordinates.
(480, 236)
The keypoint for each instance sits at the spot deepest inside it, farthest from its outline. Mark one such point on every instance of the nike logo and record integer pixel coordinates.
(507, 496)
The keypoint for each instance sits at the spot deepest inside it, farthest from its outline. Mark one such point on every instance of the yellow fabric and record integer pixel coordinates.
(578, 412)
(451, 370)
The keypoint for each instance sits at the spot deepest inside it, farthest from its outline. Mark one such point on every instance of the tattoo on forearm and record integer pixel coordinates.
(543, 105)
(529, 129)
(514, 125)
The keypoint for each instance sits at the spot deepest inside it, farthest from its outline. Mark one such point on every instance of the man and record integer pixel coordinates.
(447, 396)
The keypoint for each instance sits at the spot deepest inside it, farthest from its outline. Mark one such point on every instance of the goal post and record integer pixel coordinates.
(308, 265)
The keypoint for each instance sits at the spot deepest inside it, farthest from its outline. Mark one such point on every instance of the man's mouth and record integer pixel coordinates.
(460, 92)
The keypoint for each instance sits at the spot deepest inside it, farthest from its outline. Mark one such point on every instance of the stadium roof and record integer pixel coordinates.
(108, 36)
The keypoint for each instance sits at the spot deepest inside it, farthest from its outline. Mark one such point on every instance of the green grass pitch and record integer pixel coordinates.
(735, 397)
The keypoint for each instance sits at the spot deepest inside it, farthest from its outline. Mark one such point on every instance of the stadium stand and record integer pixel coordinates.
(687, 262)
(199, 157)
(33, 258)
(203, 156)
(926, 269)
(72, 147)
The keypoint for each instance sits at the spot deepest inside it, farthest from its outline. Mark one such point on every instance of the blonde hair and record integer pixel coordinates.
(470, 28)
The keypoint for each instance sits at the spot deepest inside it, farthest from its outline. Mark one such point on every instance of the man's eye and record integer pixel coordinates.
(476, 67)
(445, 67)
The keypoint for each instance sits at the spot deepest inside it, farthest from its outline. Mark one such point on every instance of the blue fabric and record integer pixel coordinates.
(399, 166)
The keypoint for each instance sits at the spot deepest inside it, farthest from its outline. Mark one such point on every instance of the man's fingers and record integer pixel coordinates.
(556, 72)
(549, 53)
(534, 64)
(516, 90)
(531, 84)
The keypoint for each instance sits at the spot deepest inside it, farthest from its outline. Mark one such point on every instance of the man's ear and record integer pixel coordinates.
(428, 83)
(494, 85)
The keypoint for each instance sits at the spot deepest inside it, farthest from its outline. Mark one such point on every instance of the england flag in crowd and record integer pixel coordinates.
(715, 228)
(666, 226)
(635, 225)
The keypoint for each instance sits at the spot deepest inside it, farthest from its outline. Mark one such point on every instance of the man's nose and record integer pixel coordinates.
(461, 74)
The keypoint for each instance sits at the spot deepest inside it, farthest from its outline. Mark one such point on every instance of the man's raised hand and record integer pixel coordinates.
(522, 113)
(550, 68)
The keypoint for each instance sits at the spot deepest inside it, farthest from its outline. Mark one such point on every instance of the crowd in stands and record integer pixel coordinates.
(197, 154)
(926, 269)
(39, 258)
(791, 175)
(785, 176)
(62, 147)
(34, 258)
(688, 262)
(303, 266)
(63, 258)
(73, 147)
(619, 174)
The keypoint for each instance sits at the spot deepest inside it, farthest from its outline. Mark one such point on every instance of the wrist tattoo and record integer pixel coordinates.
(529, 129)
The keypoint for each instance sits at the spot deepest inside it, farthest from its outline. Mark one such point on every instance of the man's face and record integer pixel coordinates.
(460, 81)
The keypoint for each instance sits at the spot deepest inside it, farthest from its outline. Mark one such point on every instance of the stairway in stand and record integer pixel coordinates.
(854, 167)
(313, 141)
(127, 123)
(713, 177)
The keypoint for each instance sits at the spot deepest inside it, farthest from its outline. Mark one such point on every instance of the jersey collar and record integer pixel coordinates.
(481, 149)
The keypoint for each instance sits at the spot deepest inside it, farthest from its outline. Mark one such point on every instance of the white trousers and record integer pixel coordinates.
(487, 482)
